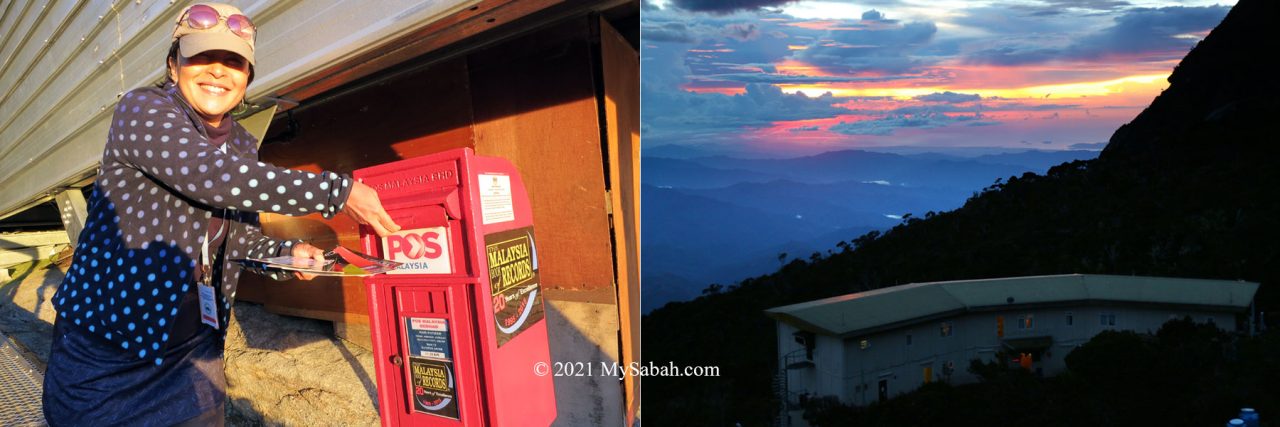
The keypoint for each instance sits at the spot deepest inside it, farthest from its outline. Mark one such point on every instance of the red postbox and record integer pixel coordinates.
(459, 333)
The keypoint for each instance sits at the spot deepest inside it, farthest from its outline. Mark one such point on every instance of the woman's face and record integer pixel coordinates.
(213, 82)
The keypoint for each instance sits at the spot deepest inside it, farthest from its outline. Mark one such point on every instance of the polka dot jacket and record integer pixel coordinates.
(159, 184)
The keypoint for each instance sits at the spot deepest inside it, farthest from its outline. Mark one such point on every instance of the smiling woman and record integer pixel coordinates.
(176, 198)
(213, 82)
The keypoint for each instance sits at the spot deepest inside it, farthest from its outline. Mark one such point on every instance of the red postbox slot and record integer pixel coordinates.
(446, 198)
(422, 301)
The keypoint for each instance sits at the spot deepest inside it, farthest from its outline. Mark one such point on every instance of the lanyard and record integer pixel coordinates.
(208, 305)
(205, 263)
(208, 295)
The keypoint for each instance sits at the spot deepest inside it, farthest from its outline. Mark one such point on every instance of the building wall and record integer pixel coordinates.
(530, 100)
(795, 381)
(825, 378)
(887, 355)
(829, 369)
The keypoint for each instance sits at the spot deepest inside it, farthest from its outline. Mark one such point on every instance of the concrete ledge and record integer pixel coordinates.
(587, 333)
(32, 239)
(12, 257)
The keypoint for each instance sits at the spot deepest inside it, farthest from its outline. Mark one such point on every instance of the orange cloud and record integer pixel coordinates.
(823, 25)
(904, 89)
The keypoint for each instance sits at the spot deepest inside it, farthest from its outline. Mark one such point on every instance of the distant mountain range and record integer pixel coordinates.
(717, 220)
(925, 169)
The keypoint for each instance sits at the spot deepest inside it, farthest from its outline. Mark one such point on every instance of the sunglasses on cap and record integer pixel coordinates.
(203, 17)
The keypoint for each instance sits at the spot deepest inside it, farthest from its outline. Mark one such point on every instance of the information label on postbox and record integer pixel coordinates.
(428, 337)
(495, 199)
(422, 250)
(513, 278)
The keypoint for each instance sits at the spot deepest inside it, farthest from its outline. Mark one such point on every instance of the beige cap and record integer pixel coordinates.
(194, 41)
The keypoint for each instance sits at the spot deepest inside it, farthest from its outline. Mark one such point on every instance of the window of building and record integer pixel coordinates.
(1071, 319)
(1026, 321)
(807, 339)
(864, 344)
(908, 339)
(1107, 319)
(945, 329)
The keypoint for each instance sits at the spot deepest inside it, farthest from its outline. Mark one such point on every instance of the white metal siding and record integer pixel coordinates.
(829, 369)
(974, 337)
(66, 62)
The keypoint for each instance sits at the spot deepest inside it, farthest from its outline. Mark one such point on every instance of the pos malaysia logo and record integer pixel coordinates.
(421, 250)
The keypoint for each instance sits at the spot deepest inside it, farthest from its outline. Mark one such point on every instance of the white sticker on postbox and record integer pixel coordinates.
(421, 250)
(495, 199)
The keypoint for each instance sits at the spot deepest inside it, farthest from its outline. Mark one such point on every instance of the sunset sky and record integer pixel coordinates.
(779, 78)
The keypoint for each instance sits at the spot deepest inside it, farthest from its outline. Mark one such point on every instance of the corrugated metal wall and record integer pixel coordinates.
(63, 64)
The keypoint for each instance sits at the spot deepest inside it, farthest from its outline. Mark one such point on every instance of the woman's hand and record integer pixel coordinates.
(364, 206)
(304, 250)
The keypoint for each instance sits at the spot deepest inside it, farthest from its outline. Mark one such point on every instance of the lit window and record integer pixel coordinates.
(1026, 321)
(864, 344)
(945, 329)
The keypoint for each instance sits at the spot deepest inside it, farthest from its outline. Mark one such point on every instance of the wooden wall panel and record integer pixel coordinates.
(621, 64)
(531, 100)
(535, 105)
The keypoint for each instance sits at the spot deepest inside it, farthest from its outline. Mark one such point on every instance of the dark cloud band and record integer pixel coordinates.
(726, 6)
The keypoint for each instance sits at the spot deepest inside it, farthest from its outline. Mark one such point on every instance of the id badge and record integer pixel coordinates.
(208, 298)
(208, 308)
(208, 304)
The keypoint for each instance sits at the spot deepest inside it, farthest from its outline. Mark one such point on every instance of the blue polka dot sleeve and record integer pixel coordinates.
(262, 246)
(154, 136)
